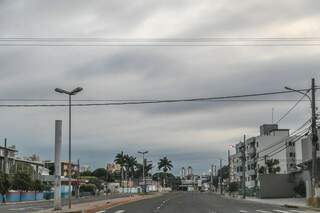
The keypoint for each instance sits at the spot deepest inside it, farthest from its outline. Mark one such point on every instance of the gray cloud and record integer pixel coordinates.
(188, 133)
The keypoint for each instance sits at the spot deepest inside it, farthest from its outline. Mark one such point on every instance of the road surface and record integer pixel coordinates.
(197, 202)
(42, 205)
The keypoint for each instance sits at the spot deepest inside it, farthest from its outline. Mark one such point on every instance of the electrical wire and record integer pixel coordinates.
(283, 140)
(295, 139)
(291, 108)
(122, 100)
(156, 101)
(158, 45)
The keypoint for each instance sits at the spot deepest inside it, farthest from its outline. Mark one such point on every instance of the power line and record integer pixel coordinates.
(160, 45)
(177, 39)
(294, 106)
(285, 145)
(154, 101)
(96, 41)
(283, 140)
(123, 100)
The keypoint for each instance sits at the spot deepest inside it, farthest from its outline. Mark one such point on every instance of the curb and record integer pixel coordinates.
(289, 206)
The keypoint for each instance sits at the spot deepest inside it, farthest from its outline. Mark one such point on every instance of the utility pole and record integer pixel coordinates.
(244, 168)
(314, 137)
(220, 176)
(229, 168)
(6, 170)
(211, 177)
(143, 175)
(6, 167)
(57, 165)
(78, 183)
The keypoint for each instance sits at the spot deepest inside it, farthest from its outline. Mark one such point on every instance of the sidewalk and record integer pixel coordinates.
(286, 202)
(295, 202)
(96, 206)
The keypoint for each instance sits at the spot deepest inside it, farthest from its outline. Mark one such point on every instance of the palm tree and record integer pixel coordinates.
(147, 169)
(166, 165)
(131, 164)
(121, 159)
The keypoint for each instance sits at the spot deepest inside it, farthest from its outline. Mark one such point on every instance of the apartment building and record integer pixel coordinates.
(272, 143)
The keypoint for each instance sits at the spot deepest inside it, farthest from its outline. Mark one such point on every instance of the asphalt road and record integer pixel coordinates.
(42, 205)
(197, 202)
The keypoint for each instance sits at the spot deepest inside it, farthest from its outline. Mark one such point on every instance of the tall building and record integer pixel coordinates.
(183, 173)
(189, 171)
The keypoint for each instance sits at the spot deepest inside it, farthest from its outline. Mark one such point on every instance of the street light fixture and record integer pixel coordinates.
(143, 175)
(314, 174)
(298, 91)
(69, 93)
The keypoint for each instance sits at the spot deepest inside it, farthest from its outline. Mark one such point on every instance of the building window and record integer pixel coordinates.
(292, 154)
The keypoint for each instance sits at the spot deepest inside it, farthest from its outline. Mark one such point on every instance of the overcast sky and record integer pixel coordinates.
(195, 134)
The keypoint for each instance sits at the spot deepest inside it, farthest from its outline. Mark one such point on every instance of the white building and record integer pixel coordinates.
(276, 144)
(272, 143)
(306, 149)
(251, 172)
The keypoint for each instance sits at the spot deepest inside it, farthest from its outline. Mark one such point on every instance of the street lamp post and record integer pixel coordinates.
(143, 175)
(69, 93)
(314, 172)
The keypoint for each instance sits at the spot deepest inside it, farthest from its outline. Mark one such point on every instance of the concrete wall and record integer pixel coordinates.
(276, 186)
(306, 148)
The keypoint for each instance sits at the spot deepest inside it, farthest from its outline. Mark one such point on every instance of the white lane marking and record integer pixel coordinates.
(263, 211)
(243, 211)
(120, 211)
(297, 211)
(276, 210)
(100, 212)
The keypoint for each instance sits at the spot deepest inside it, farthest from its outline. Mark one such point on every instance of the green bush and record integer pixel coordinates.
(4, 185)
(22, 181)
(38, 186)
(233, 187)
(88, 188)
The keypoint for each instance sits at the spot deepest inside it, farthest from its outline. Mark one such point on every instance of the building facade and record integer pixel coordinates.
(272, 143)
(64, 168)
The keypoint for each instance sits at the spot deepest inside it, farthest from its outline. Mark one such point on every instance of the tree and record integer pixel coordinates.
(4, 185)
(121, 159)
(86, 173)
(262, 170)
(131, 165)
(100, 173)
(165, 165)
(22, 181)
(51, 168)
(272, 166)
(233, 187)
(38, 186)
(147, 169)
(224, 172)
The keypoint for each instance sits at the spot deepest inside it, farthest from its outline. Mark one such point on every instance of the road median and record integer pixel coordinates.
(96, 206)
